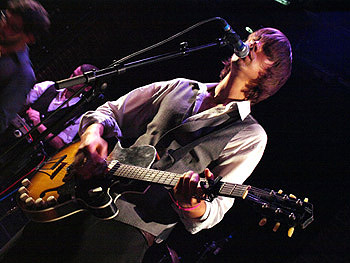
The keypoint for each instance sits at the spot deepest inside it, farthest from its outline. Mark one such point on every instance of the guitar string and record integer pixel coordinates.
(162, 177)
(167, 178)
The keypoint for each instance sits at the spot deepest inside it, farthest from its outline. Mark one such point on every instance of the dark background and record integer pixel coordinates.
(306, 121)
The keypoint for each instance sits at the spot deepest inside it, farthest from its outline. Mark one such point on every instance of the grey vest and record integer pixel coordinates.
(183, 146)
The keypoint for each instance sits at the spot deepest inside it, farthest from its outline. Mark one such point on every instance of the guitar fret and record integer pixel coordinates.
(232, 190)
(144, 174)
(140, 173)
(161, 178)
(170, 179)
(154, 176)
(158, 177)
(149, 176)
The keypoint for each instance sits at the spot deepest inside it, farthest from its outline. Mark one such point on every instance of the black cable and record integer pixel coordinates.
(120, 61)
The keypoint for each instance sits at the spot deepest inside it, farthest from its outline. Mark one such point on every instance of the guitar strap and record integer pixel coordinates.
(229, 126)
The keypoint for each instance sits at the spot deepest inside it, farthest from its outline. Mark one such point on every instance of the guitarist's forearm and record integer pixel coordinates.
(94, 129)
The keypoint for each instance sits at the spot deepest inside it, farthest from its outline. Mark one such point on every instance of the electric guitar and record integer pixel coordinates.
(48, 196)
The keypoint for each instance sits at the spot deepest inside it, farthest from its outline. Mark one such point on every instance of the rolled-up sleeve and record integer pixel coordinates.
(237, 161)
(129, 112)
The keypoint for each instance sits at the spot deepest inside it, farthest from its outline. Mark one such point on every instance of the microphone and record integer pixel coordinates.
(239, 47)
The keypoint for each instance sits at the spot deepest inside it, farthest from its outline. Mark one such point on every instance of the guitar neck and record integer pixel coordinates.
(170, 179)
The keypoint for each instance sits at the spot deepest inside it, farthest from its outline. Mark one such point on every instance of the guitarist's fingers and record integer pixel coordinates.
(102, 148)
(189, 185)
(208, 174)
(76, 165)
(180, 189)
(186, 187)
(80, 158)
(98, 149)
(193, 184)
(87, 165)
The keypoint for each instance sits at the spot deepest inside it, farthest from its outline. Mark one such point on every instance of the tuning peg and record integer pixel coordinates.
(292, 216)
(292, 196)
(26, 182)
(263, 221)
(290, 231)
(306, 200)
(275, 228)
(265, 205)
(299, 202)
(278, 210)
(285, 197)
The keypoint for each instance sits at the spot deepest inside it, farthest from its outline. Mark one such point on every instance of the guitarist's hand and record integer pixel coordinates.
(92, 142)
(90, 160)
(188, 193)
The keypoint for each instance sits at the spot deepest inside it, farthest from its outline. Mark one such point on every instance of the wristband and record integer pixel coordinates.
(183, 208)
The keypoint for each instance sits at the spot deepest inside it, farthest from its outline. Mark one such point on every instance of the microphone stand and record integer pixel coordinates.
(36, 147)
(114, 69)
(77, 110)
(117, 69)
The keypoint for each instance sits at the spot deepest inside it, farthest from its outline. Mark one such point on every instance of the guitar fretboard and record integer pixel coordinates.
(170, 179)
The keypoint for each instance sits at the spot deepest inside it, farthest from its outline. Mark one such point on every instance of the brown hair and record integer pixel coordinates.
(277, 48)
(35, 17)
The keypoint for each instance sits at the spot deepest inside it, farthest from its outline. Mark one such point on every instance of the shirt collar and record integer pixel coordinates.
(243, 108)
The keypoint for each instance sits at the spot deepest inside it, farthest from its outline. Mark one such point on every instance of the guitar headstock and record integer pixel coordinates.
(281, 208)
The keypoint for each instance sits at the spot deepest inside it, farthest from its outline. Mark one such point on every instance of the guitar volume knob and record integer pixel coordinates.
(26, 182)
(39, 203)
(95, 191)
(23, 197)
(29, 202)
(51, 200)
(22, 190)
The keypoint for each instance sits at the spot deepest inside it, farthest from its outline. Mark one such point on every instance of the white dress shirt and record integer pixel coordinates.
(68, 134)
(236, 162)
